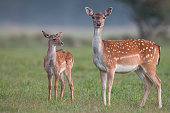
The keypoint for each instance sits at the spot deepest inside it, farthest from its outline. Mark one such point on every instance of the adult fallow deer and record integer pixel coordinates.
(124, 56)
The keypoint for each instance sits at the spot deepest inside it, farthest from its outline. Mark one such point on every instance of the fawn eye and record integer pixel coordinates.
(54, 39)
(104, 17)
(92, 17)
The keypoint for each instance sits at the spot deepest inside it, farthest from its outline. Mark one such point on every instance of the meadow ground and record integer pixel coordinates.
(23, 82)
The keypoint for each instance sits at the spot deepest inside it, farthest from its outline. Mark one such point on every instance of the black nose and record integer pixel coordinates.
(98, 24)
(62, 43)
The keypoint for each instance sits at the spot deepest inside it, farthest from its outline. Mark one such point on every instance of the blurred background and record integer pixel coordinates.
(148, 19)
(23, 81)
(30, 17)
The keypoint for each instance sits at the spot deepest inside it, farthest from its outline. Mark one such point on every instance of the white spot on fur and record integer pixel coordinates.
(62, 69)
(116, 58)
(147, 56)
(64, 62)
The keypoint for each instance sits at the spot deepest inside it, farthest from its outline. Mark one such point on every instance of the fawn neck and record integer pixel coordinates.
(97, 42)
(51, 52)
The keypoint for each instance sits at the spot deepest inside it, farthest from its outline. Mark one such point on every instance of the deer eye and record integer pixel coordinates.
(104, 17)
(92, 17)
(54, 39)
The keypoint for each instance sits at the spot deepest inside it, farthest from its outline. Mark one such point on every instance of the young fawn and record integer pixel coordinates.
(124, 56)
(57, 63)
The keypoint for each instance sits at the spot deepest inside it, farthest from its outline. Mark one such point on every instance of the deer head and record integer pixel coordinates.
(53, 39)
(98, 17)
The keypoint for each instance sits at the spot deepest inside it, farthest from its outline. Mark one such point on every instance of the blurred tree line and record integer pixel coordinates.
(152, 17)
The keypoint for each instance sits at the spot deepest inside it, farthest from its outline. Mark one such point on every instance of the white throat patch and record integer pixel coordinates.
(52, 51)
(98, 50)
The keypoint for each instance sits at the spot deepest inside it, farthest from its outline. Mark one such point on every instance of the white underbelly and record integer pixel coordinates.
(51, 71)
(125, 68)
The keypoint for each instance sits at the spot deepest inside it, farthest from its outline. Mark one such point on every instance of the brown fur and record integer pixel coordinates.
(56, 63)
(148, 51)
(63, 55)
(110, 56)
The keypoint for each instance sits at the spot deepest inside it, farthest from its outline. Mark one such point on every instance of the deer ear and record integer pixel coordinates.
(45, 34)
(108, 11)
(59, 34)
(89, 11)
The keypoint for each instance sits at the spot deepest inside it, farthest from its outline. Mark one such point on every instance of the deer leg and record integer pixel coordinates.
(110, 83)
(157, 81)
(56, 85)
(62, 85)
(49, 86)
(103, 76)
(147, 82)
(158, 84)
(151, 73)
(68, 75)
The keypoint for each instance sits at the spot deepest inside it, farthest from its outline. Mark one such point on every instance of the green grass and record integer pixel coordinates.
(23, 83)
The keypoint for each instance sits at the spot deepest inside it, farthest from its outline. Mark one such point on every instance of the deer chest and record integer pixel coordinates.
(98, 62)
(49, 67)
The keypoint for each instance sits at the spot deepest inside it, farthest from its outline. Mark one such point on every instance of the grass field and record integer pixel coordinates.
(24, 85)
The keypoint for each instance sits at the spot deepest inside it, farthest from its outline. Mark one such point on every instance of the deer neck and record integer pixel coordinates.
(51, 54)
(97, 45)
(97, 42)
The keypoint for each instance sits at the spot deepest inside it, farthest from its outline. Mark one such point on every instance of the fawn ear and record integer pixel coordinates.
(59, 34)
(89, 11)
(45, 34)
(108, 11)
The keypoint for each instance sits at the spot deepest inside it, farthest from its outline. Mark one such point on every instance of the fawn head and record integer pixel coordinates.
(98, 17)
(54, 39)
